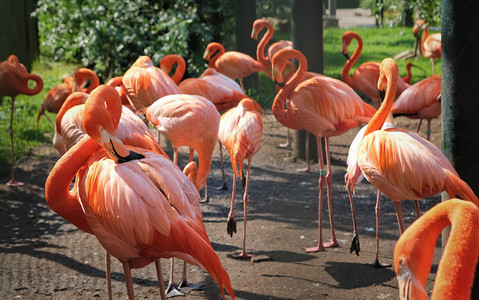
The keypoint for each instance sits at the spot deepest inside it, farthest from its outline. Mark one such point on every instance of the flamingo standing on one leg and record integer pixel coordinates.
(191, 121)
(58, 94)
(241, 129)
(232, 63)
(153, 213)
(400, 163)
(430, 44)
(420, 101)
(365, 78)
(14, 79)
(323, 106)
(414, 251)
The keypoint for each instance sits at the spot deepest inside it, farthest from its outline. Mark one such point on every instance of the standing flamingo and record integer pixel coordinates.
(365, 78)
(420, 101)
(400, 163)
(430, 44)
(14, 79)
(58, 94)
(323, 106)
(414, 251)
(144, 83)
(232, 63)
(241, 129)
(138, 204)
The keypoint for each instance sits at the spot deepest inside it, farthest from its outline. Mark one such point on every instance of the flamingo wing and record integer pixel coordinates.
(432, 46)
(419, 97)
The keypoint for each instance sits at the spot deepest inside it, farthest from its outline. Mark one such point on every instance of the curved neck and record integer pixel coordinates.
(167, 63)
(279, 111)
(382, 113)
(351, 61)
(426, 33)
(262, 44)
(79, 78)
(60, 199)
(407, 78)
(216, 53)
(21, 85)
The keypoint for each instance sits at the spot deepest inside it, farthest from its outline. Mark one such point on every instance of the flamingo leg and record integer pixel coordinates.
(329, 179)
(355, 240)
(433, 66)
(184, 285)
(322, 179)
(108, 275)
(128, 279)
(191, 154)
(161, 283)
(12, 181)
(171, 290)
(288, 143)
(231, 225)
(243, 254)
(397, 206)
(419, 126)
(175, 156)
(223, 186)
(416, 208)
(306, 154)
(428, 130)
(377, 263)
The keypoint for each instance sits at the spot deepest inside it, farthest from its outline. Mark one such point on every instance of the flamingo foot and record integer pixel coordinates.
(378, 264)
(221, 187)
(285, 145)
(318, 248)
(242, 255)
(231, 226)
(185, 286)
(332, 244)
(13, 182)
(205, 200)
(173, 291)
(355, 244)
(303, 170)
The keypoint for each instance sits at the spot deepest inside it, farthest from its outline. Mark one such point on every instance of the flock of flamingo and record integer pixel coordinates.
(114, 180)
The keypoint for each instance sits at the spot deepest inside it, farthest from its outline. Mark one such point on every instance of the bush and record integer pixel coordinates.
(108, 36)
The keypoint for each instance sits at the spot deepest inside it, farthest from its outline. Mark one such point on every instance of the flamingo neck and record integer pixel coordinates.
(384, 111)
(59, 198)
(282, 114)
(81, 76)
(262, 45)
(350, 62)
(426, 34)
(217, 52)
(167, 63)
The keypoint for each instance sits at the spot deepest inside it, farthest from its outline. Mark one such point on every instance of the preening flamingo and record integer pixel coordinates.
(117, 83)
(171, 60)
(323, 106)
(420, 101)
(430, 44)
(241, 129)
(232, 63)
(138, 204)
(144, 83)
(408, 77)
(14, 79)
(414, 251)
(59, 93)
(365, 77)
(400, 163)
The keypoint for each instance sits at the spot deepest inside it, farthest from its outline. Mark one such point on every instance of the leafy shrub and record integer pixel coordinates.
(108, 36)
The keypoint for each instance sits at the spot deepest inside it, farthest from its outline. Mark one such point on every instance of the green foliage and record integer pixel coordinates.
(108, 36)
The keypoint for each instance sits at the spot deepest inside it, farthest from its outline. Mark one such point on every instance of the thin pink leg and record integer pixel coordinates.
(243, 254)
(171, 290)
(175, 156)
(191, 154)
(377, 263)
(288, 143)
(419, 125)
(231, 224)
(161, 283)
(128, 279)
(428, 130)
(322, 181)
(223, 186)
(329, 179)
(355, 240)
(416, 208)
(397, 206)
(108, 275)
(12, 181)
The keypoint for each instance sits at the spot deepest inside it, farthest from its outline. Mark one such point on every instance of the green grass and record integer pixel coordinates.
(378, 44)
(26, 134)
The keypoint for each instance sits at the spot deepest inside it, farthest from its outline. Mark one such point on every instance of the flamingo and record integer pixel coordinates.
(408, 77)
(14, 79)
(191, 121)
(430, 44)
(169, 61)
(117, 83)
(420, 101)
(414, 251)
(58, 94)
(138, 204)
(241, 129)
(400, 163)
(323, 106)
(366, 76)
(144, 83)
(232, 63)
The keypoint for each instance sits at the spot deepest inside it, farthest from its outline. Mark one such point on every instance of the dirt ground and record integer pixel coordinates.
(44, 257)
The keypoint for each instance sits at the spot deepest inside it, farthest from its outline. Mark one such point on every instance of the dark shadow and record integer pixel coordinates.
(355, 275)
